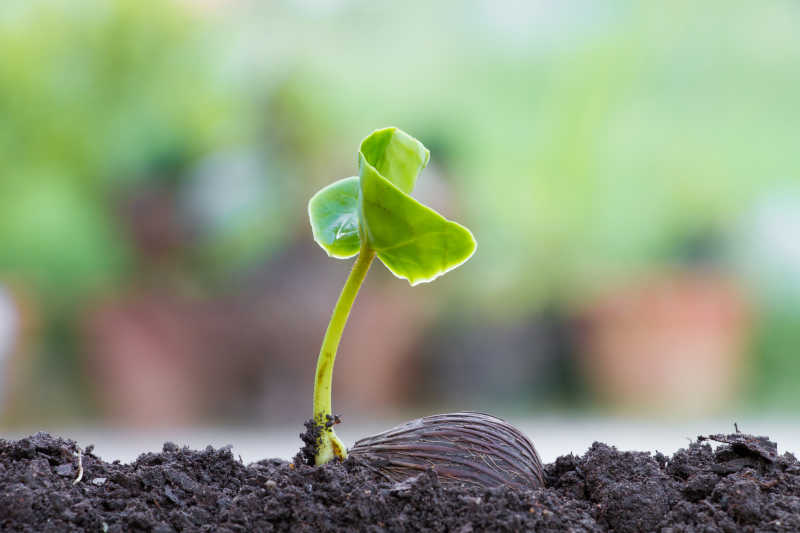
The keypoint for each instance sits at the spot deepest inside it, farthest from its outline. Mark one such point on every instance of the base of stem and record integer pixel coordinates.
(330, 448)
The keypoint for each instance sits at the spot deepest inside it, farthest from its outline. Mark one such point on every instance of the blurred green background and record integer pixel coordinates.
(630, 171)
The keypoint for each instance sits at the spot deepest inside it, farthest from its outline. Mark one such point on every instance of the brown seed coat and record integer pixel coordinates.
(462, 448)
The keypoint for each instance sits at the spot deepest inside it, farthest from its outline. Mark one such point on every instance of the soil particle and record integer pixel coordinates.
(209, 490)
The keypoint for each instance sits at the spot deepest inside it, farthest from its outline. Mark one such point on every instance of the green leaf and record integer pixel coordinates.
(395, 155)
(334, 218)
(413, 241)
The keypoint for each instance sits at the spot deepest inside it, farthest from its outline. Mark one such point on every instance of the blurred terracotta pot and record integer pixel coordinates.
(671, 345)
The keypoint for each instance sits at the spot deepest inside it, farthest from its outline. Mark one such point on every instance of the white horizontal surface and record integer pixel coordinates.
(552, 436)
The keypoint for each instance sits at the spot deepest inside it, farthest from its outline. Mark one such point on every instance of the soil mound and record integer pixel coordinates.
(742, 485)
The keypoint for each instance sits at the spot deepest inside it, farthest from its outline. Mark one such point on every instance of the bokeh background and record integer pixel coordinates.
(630, 170)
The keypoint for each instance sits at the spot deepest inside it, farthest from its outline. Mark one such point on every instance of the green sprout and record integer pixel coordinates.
(371, 215)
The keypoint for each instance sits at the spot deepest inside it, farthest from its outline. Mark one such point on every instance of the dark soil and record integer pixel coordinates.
(742, 485)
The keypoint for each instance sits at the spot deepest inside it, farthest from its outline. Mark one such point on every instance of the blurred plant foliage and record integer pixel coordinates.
(94, 94)
(584, 142)
(587, 142)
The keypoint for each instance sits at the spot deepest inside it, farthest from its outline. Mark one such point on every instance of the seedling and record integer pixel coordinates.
(373, 215)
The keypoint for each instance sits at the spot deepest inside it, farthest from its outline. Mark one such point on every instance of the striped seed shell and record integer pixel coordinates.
(462, 448)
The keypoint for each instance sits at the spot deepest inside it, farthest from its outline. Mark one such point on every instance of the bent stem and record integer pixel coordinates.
(329, 444)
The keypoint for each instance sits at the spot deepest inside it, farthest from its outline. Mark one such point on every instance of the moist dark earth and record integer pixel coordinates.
(740, 484)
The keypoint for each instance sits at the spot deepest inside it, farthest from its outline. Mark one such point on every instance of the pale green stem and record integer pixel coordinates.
(330, 446)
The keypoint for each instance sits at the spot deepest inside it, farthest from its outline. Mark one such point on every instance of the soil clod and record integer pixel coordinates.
(311, 439)
(744, 444)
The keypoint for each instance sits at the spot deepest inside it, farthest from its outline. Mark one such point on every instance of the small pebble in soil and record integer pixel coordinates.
(64, 470)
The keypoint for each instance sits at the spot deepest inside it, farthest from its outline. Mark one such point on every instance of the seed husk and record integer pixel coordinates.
(461, 448)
